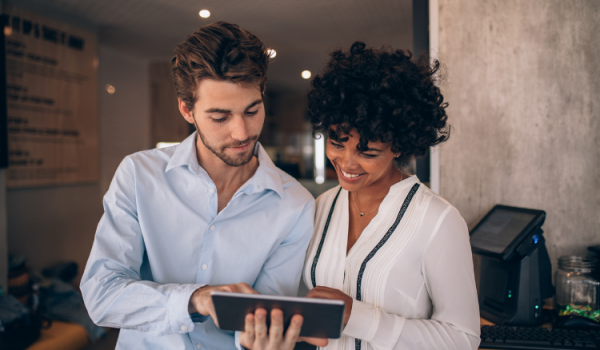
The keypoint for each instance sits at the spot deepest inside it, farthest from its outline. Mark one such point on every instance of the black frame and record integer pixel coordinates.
(323, 318)
(3, 100)
(420, 46)
(509, 251)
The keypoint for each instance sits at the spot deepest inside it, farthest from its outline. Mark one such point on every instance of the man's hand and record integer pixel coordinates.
(321, 292)
(256, 336)
(201, 301)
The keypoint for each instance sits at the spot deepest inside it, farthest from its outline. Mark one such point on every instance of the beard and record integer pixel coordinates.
(236, 160)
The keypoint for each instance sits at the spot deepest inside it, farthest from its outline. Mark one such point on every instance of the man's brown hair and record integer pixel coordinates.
(220, 51)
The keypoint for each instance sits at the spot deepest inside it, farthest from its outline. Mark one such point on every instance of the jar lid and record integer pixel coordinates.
(577, 262)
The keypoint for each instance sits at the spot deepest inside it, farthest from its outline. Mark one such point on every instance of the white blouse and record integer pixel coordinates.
(417, 289)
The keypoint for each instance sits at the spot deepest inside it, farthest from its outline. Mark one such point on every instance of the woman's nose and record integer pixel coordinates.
(347, 161)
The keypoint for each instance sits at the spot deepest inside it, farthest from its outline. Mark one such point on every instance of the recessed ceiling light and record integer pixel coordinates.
(272, 53)
(110, 89)
(204, 13)
(306, 74)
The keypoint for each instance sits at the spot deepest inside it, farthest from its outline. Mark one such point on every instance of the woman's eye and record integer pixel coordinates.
(369, 156)
(336, 145)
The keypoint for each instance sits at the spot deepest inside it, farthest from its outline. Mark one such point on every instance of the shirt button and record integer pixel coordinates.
(212, 190)
(212, 228)
(198, 346)
(184, 328)
(204, 267)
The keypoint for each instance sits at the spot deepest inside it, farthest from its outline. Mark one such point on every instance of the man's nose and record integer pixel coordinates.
(239, 129)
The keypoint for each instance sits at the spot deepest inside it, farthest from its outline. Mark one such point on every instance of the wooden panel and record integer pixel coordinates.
(62, 336)
(52, 102)
(168, 124)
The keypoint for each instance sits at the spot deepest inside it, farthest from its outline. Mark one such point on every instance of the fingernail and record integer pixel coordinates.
(277, 318)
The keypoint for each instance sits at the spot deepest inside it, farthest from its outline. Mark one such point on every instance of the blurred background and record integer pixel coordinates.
(522, 80)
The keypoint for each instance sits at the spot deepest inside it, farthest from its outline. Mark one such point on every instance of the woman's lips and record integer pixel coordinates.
(350, 177)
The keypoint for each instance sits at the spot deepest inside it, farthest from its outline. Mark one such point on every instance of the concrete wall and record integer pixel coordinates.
(58, 223)
(524, 92)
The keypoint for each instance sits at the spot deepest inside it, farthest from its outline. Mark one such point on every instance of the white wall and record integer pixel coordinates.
(125, 115)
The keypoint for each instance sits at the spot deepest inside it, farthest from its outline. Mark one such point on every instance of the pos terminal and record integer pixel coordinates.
(515, 267)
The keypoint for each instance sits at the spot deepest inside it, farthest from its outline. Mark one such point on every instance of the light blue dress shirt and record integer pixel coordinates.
(161, 237)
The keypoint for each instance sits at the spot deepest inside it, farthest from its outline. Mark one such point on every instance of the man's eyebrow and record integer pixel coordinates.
(254, 103)
(227, 111)
(218, 110)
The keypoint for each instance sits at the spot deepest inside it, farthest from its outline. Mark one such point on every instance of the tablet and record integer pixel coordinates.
(503, 229)
(323, 318)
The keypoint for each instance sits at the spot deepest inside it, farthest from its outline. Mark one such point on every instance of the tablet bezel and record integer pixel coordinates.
(320, 315)
(509, 251)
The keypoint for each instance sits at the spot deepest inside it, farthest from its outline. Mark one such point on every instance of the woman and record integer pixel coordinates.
(395, 252)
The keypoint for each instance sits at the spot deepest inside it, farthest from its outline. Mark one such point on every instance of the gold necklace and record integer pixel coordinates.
(361, 213)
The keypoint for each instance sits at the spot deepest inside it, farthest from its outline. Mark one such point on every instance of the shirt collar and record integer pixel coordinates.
(185, 154)
(266, 176)
(402, 185)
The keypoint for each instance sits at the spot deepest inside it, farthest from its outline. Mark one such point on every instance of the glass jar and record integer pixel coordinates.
(577, 287)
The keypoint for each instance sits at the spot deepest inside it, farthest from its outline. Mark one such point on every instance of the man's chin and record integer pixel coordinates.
(237, 160)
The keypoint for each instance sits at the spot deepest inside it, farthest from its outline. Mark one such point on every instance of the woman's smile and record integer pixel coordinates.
(349, 176)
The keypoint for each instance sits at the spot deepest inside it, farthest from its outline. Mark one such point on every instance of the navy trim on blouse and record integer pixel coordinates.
(313, 269)
(363, 266)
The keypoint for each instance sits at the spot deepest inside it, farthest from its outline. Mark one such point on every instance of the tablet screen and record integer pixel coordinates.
(323, 318)
(499, 229)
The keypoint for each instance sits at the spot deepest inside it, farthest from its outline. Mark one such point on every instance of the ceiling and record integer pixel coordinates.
(302, 32)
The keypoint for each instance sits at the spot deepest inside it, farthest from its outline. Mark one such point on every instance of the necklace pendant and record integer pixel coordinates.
(362, 214)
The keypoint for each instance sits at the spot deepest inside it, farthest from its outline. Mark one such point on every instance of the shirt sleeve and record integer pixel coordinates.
(280, 274)
(449, 277)
(112, 288)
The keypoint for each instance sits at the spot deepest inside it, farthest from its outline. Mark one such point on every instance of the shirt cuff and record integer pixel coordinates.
(363, 321)
(238, 345)
(179, 300)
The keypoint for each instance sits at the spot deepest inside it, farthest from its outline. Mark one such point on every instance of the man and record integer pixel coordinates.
(212, 213)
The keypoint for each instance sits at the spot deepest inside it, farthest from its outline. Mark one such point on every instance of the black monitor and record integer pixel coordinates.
(503, 229)
(515, 274)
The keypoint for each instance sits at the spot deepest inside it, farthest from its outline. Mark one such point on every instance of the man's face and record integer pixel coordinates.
(229, 118)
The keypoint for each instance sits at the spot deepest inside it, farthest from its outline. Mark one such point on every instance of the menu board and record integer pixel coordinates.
(52, 119)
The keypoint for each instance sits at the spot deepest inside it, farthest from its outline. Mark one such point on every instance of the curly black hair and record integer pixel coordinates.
(384, 96)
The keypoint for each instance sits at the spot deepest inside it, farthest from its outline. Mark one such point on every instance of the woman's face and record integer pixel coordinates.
(355, 169)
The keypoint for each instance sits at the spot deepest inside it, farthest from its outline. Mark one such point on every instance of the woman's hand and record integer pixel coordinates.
(256, 336)
(321, 292)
